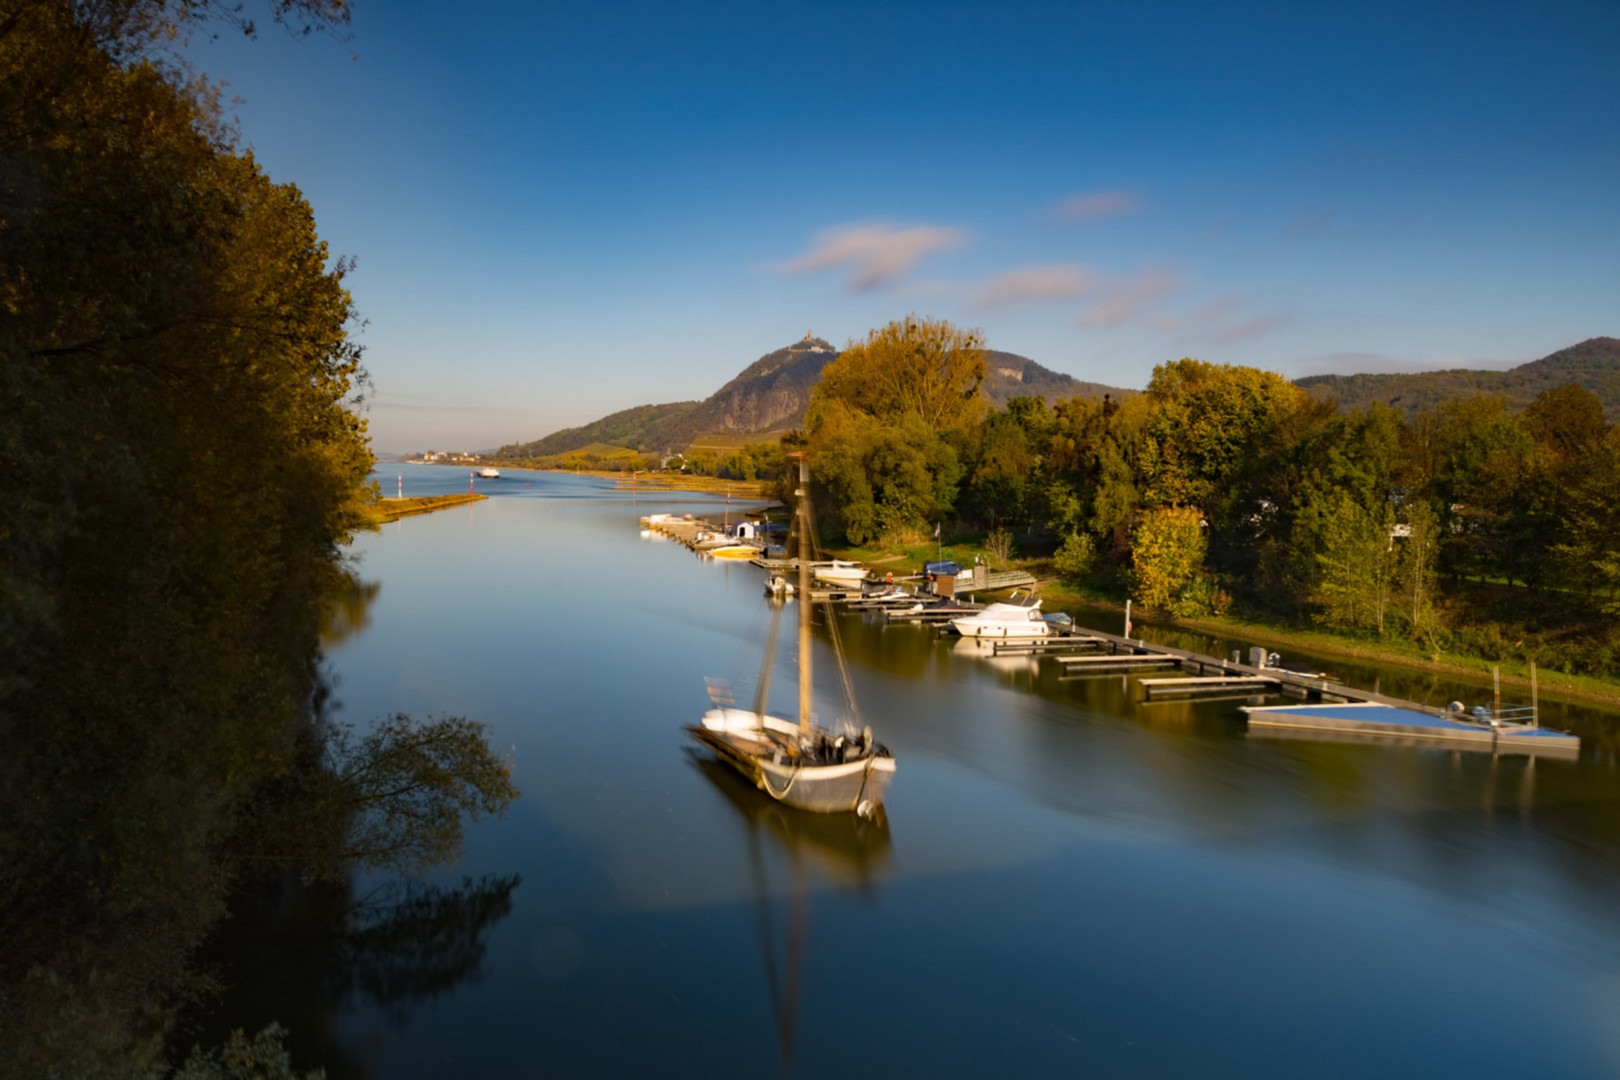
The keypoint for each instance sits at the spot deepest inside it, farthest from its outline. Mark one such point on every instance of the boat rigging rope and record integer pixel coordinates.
(765, 782)
(832, 627)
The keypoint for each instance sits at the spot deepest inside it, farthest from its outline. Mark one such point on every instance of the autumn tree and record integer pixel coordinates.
(884, 424)
(1167, 552)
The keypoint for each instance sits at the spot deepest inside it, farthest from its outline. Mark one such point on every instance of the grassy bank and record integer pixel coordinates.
(393, 509)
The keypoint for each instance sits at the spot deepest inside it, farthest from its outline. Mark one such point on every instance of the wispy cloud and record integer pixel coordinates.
(1096, 204)
(1133, 299)
(1248, 328)
(874, 253)
(1217, 322)
(1057, 282)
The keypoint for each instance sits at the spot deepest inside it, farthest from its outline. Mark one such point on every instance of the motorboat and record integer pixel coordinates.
(839, 570)
(802, 765)
(734, 551)
(487, 473)
(777, 585)
(1011, 618)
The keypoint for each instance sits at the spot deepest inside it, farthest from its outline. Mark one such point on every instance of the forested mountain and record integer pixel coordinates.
(770, 395)
(1594, 364)
(623, 428)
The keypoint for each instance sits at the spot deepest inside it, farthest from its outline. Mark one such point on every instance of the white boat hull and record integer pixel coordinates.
(854, 786)
(976, 629)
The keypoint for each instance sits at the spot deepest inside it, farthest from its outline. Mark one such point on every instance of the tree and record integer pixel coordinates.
(1205, 421)
(1167, 551)
(922, 368)
(1358, 564)
(1419, 556)
(883, 423)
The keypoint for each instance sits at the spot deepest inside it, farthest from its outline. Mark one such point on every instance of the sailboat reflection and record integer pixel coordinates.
(847, 850)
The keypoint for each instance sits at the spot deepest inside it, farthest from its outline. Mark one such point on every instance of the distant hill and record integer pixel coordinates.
(1010, 375)
(769, 396)
(621, 429)
(1594, 364)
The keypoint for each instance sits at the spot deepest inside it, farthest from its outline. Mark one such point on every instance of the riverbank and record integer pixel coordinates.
(386, 510)
(646, 481)
(704, 485)
(1515, 673)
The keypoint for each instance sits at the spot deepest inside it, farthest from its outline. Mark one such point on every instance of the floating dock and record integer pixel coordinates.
(1409, 723)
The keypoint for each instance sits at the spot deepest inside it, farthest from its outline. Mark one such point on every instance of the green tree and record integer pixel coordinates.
(1358, 564)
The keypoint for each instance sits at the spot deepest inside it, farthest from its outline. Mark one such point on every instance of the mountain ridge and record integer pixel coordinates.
(770, 395)
(1593, 363)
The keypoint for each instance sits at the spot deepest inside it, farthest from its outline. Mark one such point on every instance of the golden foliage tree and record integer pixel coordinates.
(1167, 551)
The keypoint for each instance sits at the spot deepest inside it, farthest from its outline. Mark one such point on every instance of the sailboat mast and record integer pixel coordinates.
(803, 497)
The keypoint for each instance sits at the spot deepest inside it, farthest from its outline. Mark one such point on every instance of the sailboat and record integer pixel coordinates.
(802, 765)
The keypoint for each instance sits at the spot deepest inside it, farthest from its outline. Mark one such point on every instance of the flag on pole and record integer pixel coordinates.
(936, 530)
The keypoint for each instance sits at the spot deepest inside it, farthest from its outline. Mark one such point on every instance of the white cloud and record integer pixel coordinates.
(1132, 299)
(1096, 204)
(1061, 281)
(875, 253)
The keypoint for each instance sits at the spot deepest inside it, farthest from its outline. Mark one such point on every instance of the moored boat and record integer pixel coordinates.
(839, 570)
(802, 765)
(1010, 618)
(487, 473)
(734, 551)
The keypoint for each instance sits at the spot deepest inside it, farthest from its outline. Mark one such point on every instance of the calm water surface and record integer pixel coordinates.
(1071, 881)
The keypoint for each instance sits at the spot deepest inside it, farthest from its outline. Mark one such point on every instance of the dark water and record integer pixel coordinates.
(1071, 881)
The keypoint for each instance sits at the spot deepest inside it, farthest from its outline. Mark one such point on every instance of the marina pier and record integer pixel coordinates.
(1322, 707)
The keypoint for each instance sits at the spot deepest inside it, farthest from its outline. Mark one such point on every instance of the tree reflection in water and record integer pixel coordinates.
(314, 948)
(848, 850)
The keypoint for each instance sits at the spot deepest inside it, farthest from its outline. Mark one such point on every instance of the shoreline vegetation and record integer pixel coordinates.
(1059, 594)
(1472, 533)
(392, 509)
(168, 739)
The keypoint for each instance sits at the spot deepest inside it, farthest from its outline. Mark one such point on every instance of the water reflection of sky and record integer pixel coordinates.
(1070, 880)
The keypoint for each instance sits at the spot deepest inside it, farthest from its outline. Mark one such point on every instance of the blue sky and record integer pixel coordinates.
(562, 210)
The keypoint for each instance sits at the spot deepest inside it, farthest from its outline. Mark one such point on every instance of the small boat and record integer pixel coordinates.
(488, 473)
(1011, 618)
(839, 570)
(814, 770)
(734, 551)
(777, 585)
(802, 765)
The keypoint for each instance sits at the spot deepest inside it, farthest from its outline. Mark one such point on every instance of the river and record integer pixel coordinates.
(1070, 882)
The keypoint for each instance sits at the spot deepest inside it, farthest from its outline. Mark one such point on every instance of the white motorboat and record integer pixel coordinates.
(488, 473)
(1012, 618)
(839, 570)
(803, 765)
